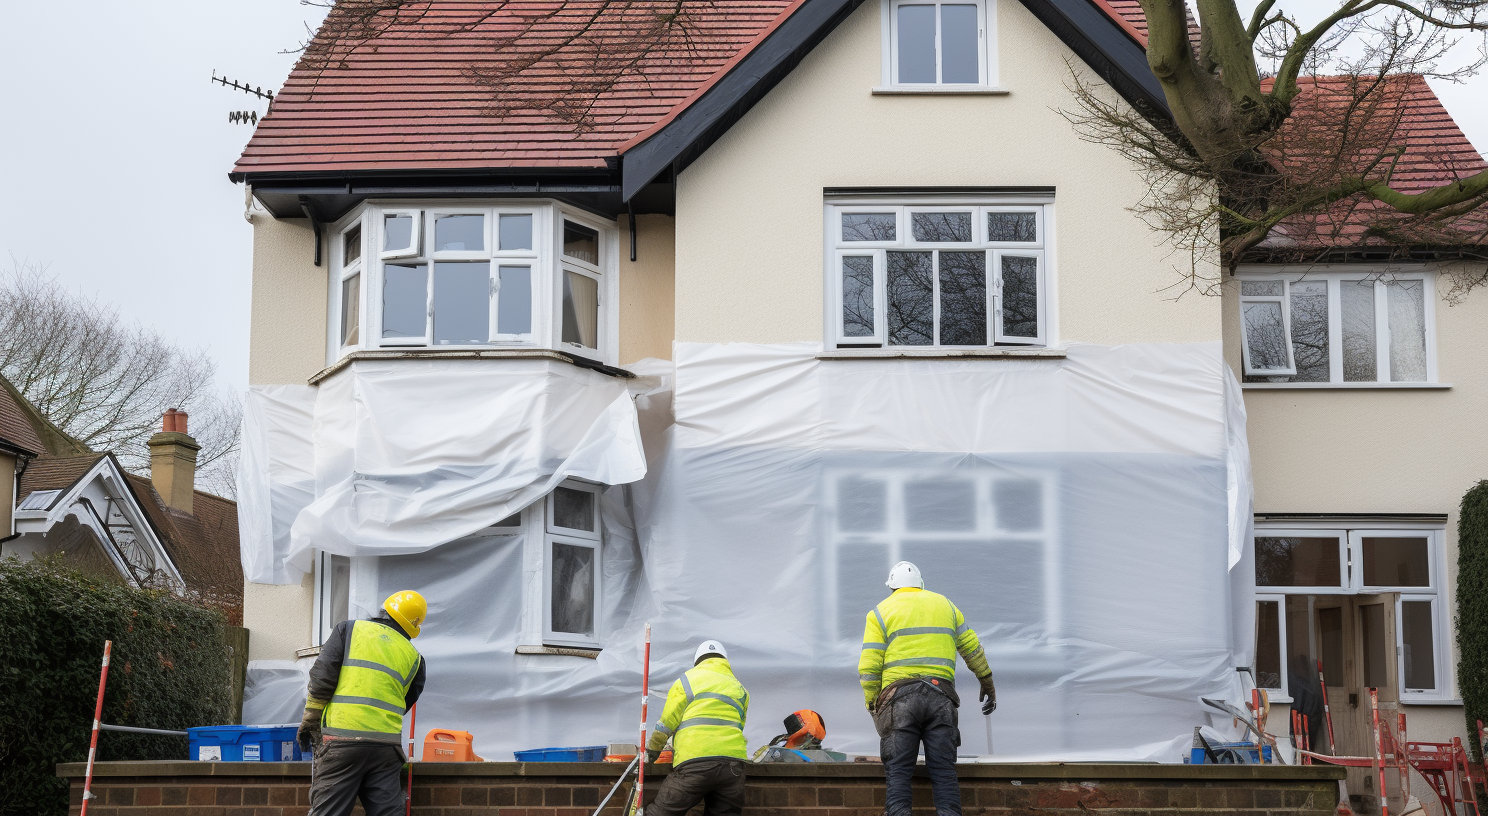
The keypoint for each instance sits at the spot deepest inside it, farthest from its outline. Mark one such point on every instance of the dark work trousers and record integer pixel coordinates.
(343, 771)
(718, 782)
(918, 714)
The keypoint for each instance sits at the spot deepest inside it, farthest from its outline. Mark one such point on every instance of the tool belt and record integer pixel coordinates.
(939, 685)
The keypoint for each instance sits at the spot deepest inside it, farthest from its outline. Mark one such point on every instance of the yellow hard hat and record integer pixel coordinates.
(408, 608)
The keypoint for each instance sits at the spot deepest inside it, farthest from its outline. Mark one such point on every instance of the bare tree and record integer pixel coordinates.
(105, 382)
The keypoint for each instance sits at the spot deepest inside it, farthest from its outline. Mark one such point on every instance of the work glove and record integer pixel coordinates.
(652, 755)
(309, 733)
(989, 694)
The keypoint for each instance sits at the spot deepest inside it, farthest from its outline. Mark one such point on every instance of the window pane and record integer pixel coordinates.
(573, 509)
(351, 245)
(1372, 635)
(513, 520)
(869, 227)
(581, 242)
(515, 232)
(1265, 335)
(958, 44)
(1019, 504)
(916, 34)
(941, 227)
(338, 605)
(1420, 645)
(1012, 226)
(462, 303)
(862, 505)
(514, 300)
(1310, 330)
(1268, 644)
(911, 296)
(580, 310)
(1297, 562)
(397, 232)
(351, 310)
(940, 504)
(405, 295)
(861, 568)
(1356, 300)
(1330, 636)
(1400, 562)
(460, 233)
(1267, 288)
(1407, 310)
(1019, 296)
(857, 296)
(963, 298)
(573, 589)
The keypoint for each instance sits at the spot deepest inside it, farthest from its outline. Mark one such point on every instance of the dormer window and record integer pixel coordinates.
(939, 46)
(527, 274)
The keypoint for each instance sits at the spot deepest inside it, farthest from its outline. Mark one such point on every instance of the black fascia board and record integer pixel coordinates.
(1088, 31)
(333, 195)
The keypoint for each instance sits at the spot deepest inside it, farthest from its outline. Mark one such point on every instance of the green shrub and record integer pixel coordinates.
(1472, 611)
(169, 670)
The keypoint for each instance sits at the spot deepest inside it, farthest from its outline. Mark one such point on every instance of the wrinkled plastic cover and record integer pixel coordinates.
(1084, 513)
(275, 690)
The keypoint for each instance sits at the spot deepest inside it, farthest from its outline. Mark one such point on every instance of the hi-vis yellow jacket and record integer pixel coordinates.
(915, 633)
(376, 673)
(704, 714)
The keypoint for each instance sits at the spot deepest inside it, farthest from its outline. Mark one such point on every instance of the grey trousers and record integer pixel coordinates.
(718, 782)
(343, 772)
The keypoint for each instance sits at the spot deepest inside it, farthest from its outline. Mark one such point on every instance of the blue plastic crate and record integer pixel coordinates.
(244, 743)
(1247, 749)
(585, 753)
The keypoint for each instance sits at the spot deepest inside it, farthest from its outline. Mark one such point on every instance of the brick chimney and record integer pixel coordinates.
(173, 461)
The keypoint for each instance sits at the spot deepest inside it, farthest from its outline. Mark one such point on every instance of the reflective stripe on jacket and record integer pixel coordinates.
(915, 633)
(704, 714)
(371, 692)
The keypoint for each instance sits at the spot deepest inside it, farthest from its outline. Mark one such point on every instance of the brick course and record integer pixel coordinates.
(512, 789)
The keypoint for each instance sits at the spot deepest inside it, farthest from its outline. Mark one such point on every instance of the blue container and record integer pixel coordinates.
(1247, 749)
(244, 743)
(585, 753)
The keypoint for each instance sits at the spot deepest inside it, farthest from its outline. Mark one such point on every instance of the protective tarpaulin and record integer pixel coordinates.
(406, 455)
(1083, 512)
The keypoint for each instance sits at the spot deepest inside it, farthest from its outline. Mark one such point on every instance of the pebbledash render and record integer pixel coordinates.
(829, 244)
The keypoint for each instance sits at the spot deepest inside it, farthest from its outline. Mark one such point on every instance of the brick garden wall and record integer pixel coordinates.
(533, 789)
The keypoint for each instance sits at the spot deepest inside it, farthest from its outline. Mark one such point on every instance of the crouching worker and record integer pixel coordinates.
(704, 718)
(367, 677)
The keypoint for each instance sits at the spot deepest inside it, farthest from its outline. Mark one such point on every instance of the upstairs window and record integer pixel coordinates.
(937, 276)
(938, 44)
(1340, 328)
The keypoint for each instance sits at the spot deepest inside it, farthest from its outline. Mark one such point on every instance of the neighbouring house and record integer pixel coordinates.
(713, 344)
(81, 505)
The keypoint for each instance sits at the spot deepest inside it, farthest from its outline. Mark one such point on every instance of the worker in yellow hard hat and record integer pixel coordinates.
(704, 720)
(907, 668)
(368, 675)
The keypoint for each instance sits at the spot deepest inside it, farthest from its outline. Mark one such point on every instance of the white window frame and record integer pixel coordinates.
(1344, 586)
(355, 269)
(986, 52)
(416, 238)
(598, 272)
(321, 625)
(1353, 584)
(837, 249)
(1283, 300)
(1281, 638)
(553, 534)
(1333, 274)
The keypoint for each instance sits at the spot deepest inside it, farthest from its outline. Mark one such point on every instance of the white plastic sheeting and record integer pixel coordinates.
(275, 690)
(1083, 512)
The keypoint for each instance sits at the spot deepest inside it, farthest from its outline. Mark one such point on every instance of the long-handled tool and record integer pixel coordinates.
(988, 718)
(108, 648)
(637, 802)
(1327, 712)
(623, 774)
(412, 728)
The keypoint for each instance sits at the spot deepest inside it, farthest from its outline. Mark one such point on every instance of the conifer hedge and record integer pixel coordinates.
(1472, 611)
(170, 670)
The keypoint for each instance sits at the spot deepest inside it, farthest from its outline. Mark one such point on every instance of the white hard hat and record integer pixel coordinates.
(708, 647)
(905, 574)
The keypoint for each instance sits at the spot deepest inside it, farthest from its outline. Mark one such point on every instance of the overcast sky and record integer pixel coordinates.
(115, 147)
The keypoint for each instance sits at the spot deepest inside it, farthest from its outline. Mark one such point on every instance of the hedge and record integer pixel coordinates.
(170, 670)
(1472, 611)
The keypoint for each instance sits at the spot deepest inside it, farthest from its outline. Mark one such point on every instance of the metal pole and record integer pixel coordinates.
(988, 718)
(132, 730)
(1327, 712)
(412, 727)
(640, 791)
(1379, 753)
(605, 801)
(108, 648)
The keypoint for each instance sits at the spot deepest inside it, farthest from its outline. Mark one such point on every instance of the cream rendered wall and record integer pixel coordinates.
(647, 286)
(286, 345)
(749, 211)
(1379, 451)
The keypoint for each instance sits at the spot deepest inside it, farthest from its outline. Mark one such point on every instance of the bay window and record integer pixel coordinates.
(521, 274)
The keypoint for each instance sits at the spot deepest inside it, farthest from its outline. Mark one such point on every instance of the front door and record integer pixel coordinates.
(1355, 635)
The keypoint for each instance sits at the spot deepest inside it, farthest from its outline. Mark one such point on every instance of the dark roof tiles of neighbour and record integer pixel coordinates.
(54, 473)
(203, 544)
(15, 427)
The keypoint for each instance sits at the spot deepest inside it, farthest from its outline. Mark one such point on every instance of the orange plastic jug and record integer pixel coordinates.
(444, 745)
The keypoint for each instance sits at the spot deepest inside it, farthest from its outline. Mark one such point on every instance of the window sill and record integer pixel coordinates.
(1432, 701)
(569, 651)
(467, 354)
(1332, 386)
(943, 90)
(943, 353)
(309, 651)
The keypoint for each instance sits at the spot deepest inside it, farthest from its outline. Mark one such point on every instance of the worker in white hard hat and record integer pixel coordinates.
(907, 668)
(704, 719)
